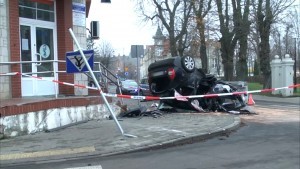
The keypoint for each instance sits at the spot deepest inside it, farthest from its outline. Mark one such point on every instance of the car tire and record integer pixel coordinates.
(188, 63)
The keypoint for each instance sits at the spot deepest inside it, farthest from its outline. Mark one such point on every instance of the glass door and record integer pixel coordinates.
(37, 48)
(44, 52)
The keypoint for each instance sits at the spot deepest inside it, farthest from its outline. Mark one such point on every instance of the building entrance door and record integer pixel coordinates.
(38, 51)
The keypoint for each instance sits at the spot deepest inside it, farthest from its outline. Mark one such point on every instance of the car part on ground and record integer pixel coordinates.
(141, 112)
(179, 75)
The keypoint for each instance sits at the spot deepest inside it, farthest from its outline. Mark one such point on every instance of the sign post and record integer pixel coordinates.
(98, 86)
(75, 62)
(137, 51)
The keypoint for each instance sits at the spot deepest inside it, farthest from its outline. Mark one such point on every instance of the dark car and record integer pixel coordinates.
(128, 87)
(178, 75)
(144, 86)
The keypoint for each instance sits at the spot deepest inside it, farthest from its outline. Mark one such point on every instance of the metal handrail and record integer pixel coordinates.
(104, 71)
(24, 62)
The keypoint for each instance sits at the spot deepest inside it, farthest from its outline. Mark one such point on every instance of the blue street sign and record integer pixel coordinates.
(126, 73)
(75, 62)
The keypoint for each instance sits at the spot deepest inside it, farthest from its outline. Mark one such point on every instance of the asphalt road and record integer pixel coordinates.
(269, 140)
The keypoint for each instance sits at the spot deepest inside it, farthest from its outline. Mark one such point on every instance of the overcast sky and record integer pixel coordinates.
(120, 26)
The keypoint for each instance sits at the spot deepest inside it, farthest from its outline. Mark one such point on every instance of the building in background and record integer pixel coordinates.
(158, 51)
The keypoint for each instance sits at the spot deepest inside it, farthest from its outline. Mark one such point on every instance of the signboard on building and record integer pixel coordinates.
(78, 14)
(75, 62)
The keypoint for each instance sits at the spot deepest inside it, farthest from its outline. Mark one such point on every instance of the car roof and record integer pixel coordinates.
(128, 81)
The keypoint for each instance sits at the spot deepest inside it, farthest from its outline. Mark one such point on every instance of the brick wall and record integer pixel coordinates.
(23, 108)
(64, 42)
(14, 46)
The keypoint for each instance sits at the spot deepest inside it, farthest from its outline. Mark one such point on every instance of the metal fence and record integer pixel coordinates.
(105, 76)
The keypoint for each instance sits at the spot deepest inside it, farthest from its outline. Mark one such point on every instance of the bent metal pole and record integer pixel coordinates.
(97, 84)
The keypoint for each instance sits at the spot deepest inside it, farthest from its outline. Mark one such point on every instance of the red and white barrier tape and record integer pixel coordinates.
(155, 97)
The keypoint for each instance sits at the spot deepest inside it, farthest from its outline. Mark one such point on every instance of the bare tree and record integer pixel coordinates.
(294, 21)
(174, 16)
(228, 40)
(201, 9)
(241, 19)
(104, 53)
(267, 13)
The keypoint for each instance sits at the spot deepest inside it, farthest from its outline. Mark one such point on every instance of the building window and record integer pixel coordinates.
(43, 10)
(214, 63)
(158, 51)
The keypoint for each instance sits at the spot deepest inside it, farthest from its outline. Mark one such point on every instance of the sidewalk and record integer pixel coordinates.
(294, 100)
(103, 137)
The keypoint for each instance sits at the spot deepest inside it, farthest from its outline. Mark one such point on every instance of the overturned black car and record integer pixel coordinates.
(179, 76)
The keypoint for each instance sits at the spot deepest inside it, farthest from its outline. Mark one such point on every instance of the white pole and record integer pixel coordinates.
(97, 84)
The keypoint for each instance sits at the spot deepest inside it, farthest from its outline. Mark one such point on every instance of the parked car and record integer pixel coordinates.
(144, 86)
(179, 74)
(130, 87)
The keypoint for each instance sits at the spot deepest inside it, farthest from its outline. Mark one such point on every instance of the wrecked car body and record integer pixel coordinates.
(178, 76)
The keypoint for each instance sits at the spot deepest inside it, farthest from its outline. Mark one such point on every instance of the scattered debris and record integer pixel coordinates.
(142, 111)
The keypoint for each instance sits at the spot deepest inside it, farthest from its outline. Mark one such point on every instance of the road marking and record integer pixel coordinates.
(87, 167)
(47, 153)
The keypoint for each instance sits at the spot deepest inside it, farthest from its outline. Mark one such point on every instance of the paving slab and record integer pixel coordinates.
(102, 137)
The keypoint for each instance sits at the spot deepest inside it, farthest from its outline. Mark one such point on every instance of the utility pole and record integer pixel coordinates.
(295, 65)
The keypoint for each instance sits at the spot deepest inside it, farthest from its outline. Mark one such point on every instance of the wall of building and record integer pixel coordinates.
(5, 89)
(64, 43)
(80, 78)
(14, 45)
(51, 119)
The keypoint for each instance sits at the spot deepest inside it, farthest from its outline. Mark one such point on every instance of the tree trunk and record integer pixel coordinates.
(228, 74)
(228, 40)
(264, 26)
(203, 54)
(227, 52)
(173, 47)
(242, 67)
(242, 26)
(264, 59)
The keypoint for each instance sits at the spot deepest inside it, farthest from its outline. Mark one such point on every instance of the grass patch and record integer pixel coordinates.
(258, 86)
(255, 86)
(297, 92)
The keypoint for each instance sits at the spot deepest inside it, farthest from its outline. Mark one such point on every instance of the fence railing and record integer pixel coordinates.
(105, 76)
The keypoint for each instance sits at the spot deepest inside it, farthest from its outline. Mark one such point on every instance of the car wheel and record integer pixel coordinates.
(141, 93)
(188, 63)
